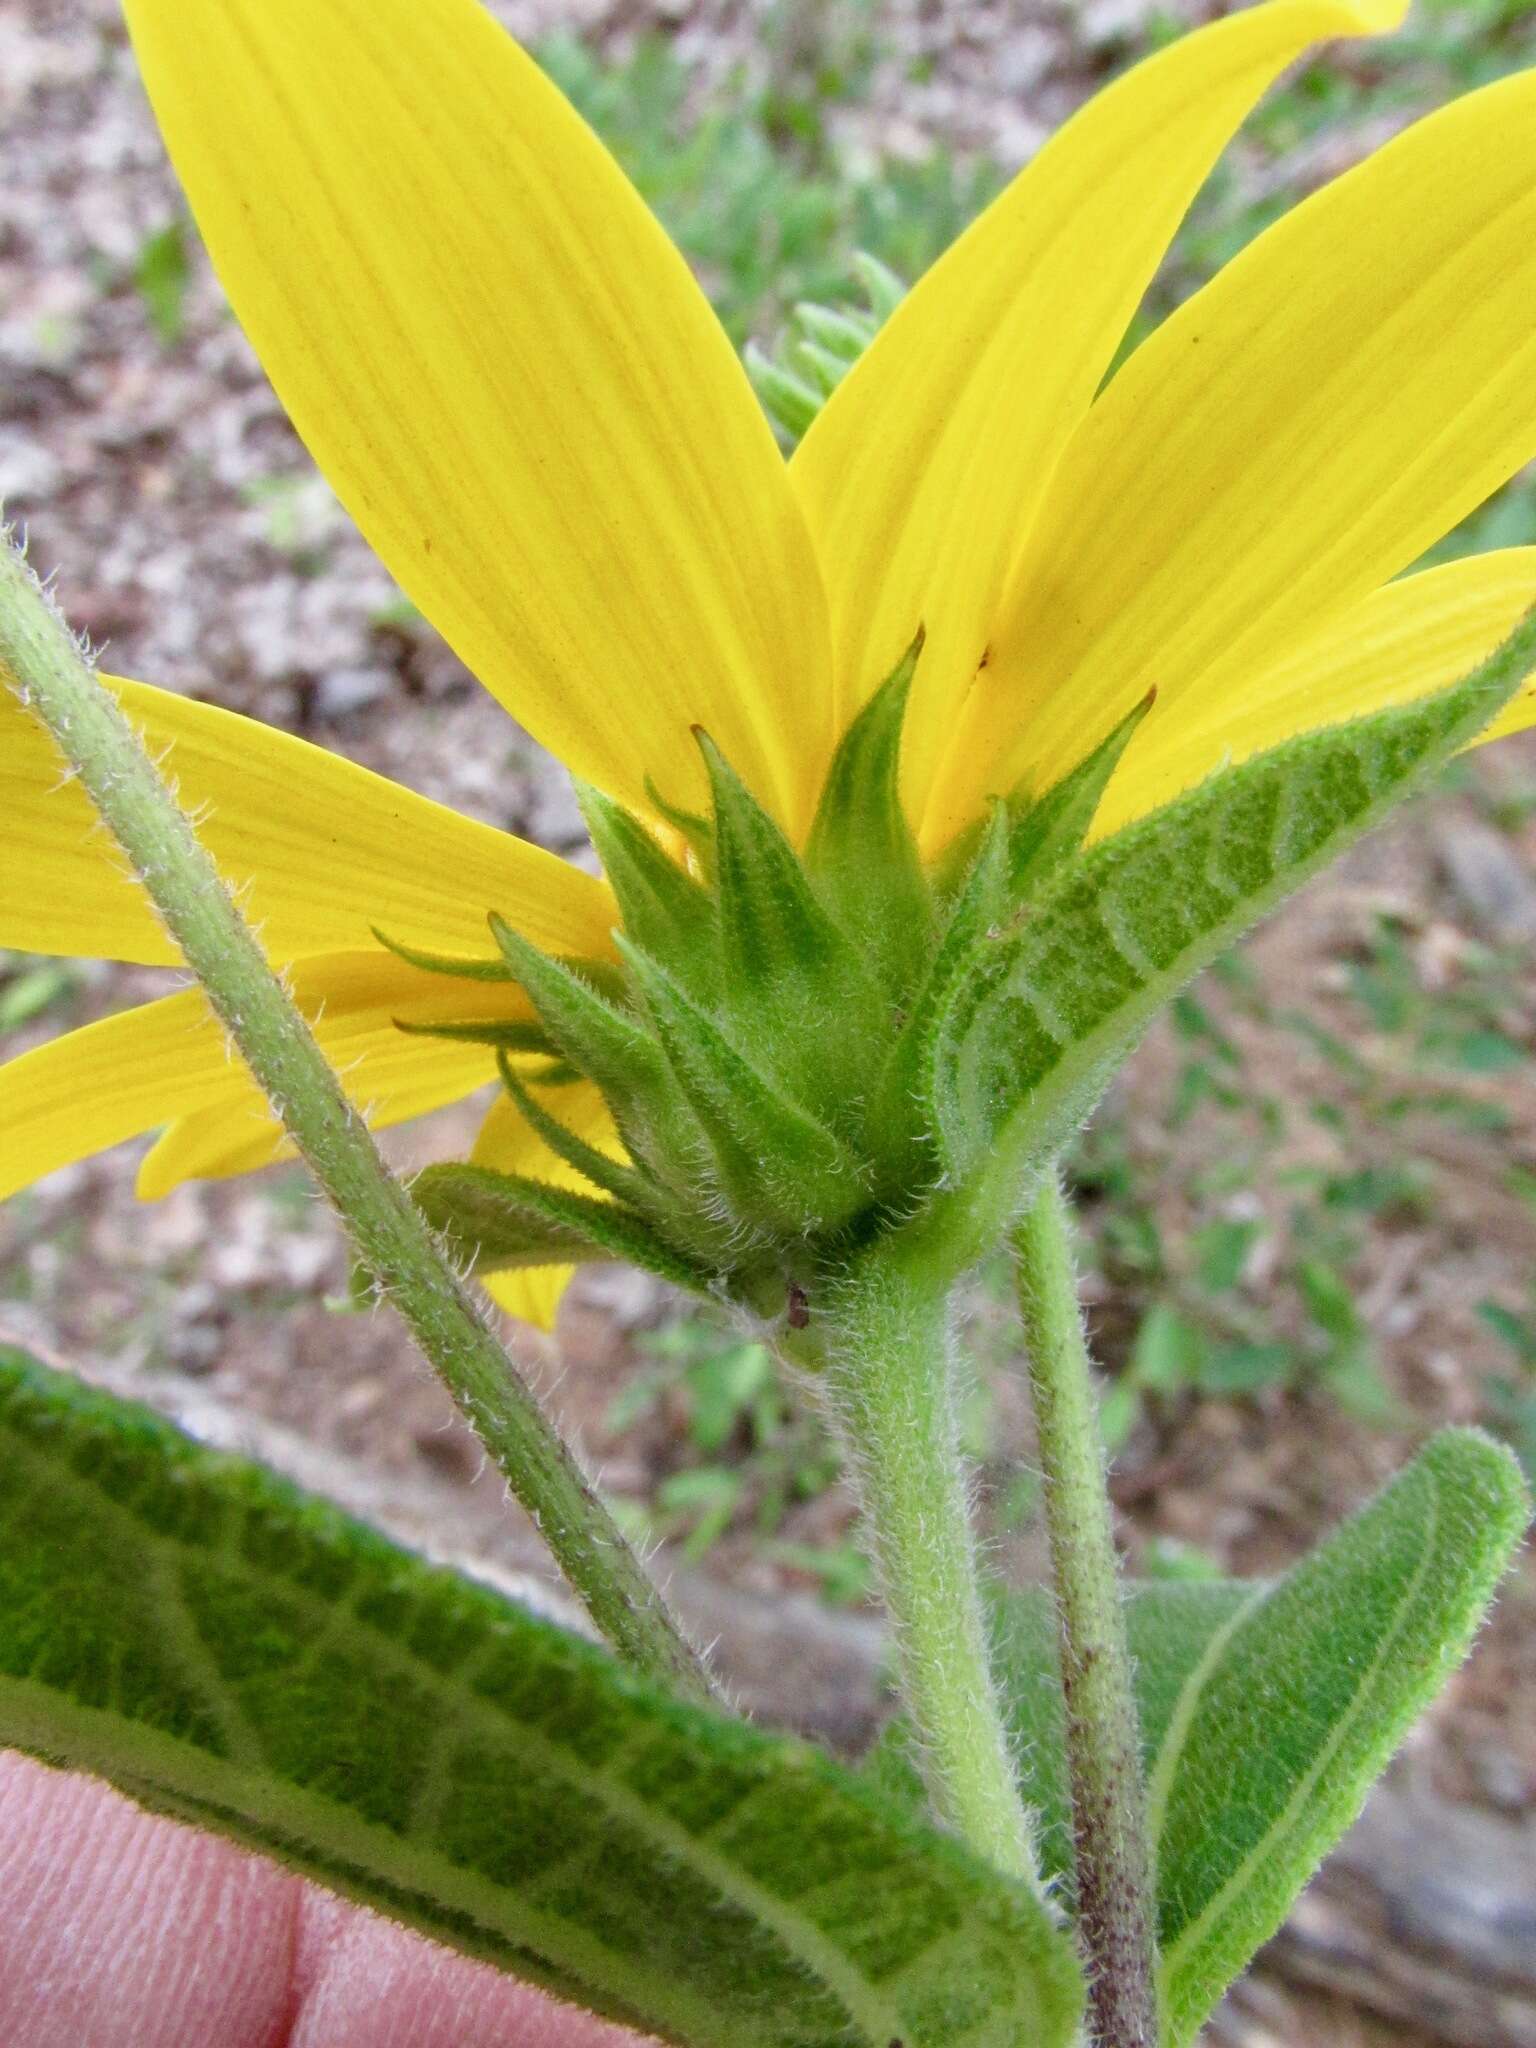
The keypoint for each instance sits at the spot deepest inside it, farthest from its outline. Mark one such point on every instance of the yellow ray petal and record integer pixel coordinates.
(167, 1061)
(921, 474)
(210, 1144)
(238, 1135)
(92, 1088)
(507, 373)
(1405, 641)
(322, 848)
(508, 1142)
(1347, 389)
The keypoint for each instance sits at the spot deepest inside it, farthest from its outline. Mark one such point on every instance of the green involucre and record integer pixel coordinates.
(803, 1053)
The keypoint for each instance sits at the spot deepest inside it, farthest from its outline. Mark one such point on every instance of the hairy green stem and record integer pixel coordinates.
(890, 1378)
(41, 662)
(1114, 1902)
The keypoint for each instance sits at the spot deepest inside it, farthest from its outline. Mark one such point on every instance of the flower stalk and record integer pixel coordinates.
(890, 1381)
(41, 663)
(1113, 1864)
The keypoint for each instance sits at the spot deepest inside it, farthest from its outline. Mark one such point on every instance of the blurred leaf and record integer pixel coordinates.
(1518, 1331)
(1221, 1251)
(29, 987)
(724, 1385)
(1233, 1371)
(162, 273)
(843, 1569)
(1168, 1352)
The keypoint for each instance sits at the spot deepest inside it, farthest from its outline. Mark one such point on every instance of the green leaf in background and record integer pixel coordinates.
(162, 272)
(1267, 1710)
(187, 1626)
(1169, 1623)
(1280, 1729)
(1047, 1012)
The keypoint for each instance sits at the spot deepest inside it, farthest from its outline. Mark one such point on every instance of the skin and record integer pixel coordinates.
(126, 1931)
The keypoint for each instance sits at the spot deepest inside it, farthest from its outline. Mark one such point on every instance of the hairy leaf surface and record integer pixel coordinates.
(1293, 1711)
(184, 1624)
(1045, 1013)
(505, 1220)
(1267, 1709)
(1169, 1624)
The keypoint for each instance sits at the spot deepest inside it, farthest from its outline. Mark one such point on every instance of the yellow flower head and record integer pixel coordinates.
(512, 381)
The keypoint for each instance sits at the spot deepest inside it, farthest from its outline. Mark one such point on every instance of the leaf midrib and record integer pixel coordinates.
(1186, 1706)
(1342, 1728)
(803, 1943)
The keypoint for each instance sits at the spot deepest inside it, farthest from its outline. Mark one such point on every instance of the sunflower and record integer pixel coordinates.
(514, 384)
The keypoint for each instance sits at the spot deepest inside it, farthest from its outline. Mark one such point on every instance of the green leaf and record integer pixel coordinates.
(596, 1035)
(163, 273)
(1050, 829)
(820, 343)
(1048, 1011)
(1169, 1624)
(187, 1626)
(787, 963)
(510, 1035)
(905, 1152)
(862, 854)
(1267, 1709)
(883, 289)
(494, 1232)
(785, 957)
(845, 334)
(446, 963)
(1281, 1728)
(504, 1219)
(609, 1045)
(695, 828)
(788, 400)
(825, 367)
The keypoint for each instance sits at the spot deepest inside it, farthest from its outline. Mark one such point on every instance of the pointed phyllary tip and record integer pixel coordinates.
(714, 760)
(512, 945)
(716, 764)
(442, 963)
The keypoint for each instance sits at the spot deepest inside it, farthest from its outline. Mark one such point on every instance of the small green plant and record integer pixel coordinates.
(298, 517)
(163, 275)
(32, 986)
(760, 1451)
(748, 187)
